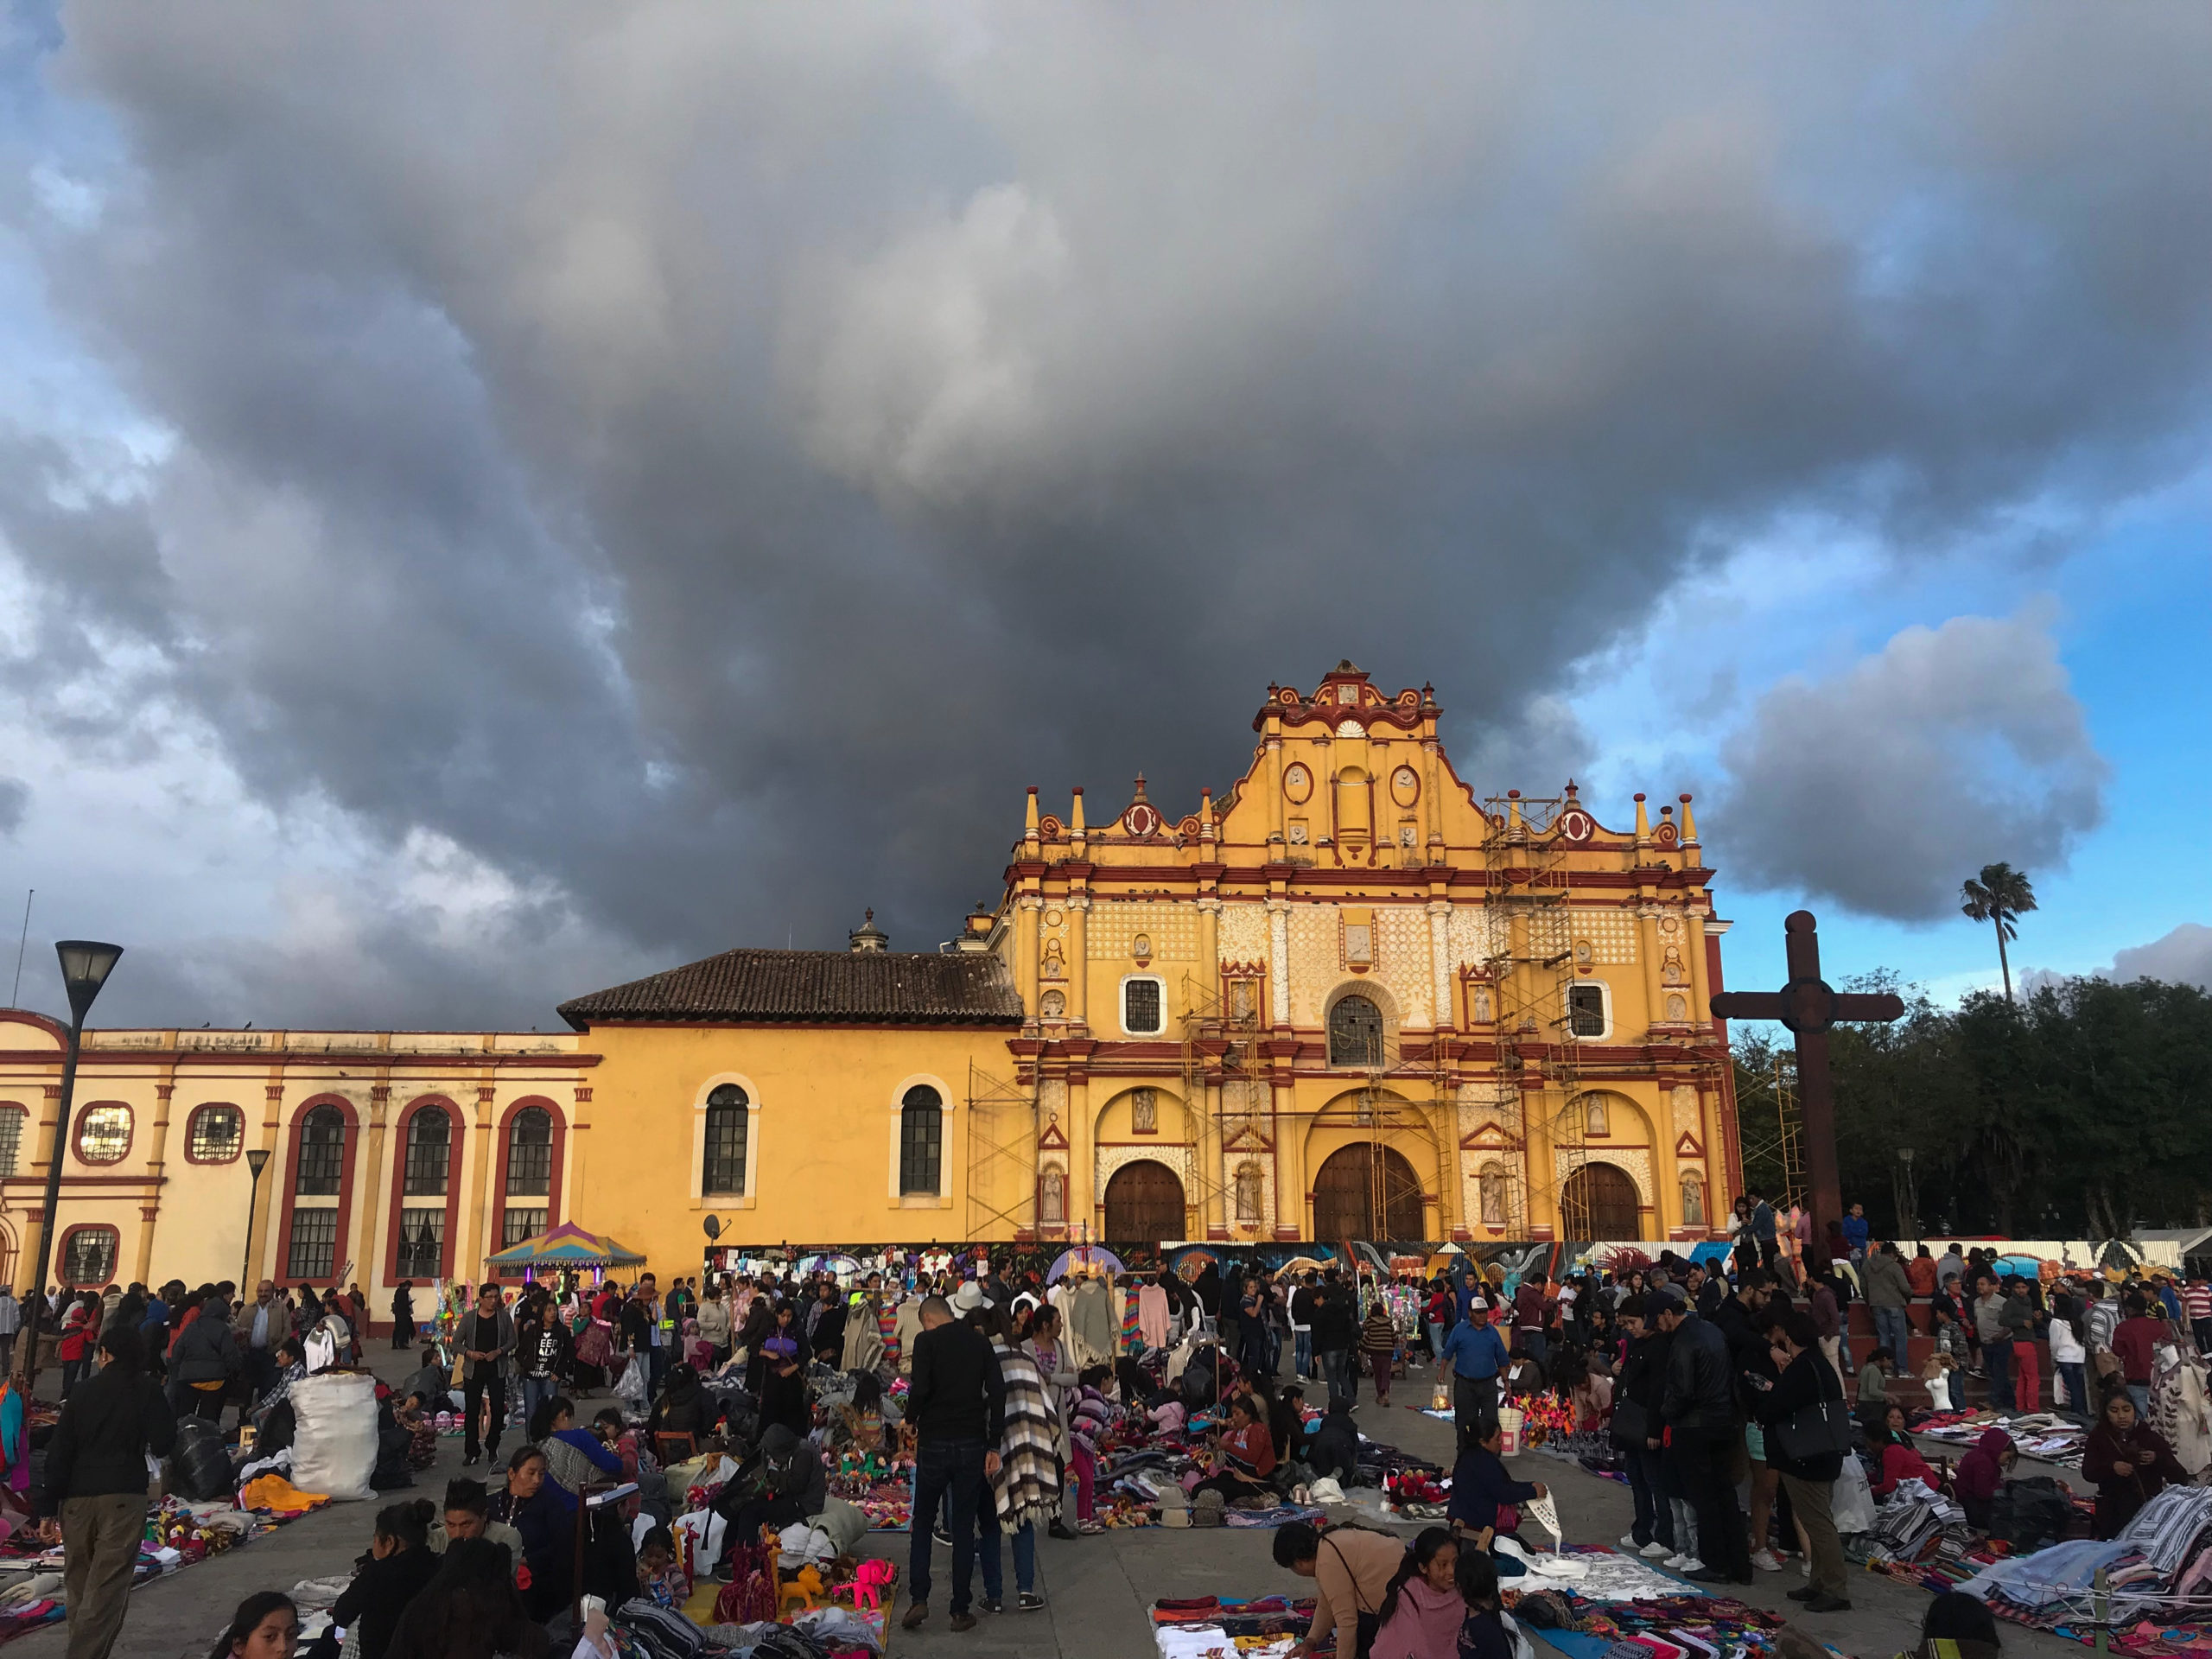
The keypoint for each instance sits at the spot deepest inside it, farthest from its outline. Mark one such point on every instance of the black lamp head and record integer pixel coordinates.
(86, 965)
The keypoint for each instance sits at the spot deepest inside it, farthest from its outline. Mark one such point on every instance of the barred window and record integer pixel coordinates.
(520, 1224)
(323, 1156)
(1355, 1032)
(530, 1154)
(728, 1117)
(104, 1133)
(314, 1253)
(921, 1140)
(1585, 1010)
(1140, 1010)
(11, 1137)
(430, 1149)
(421, 1241)
(217, 1132)
(89, 1256)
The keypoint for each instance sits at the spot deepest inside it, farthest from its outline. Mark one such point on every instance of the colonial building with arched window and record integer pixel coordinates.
(1343, 996)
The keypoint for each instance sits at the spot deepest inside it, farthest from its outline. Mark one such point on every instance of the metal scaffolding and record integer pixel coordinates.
(1001, 1131)
(1532, 972)
(1220, 1061)
(1410, 1090)
(1772, 1100)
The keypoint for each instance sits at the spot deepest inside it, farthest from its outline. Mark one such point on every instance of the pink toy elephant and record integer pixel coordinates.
(871, 1583)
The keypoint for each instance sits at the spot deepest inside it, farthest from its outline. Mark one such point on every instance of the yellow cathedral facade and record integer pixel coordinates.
(1347, 998)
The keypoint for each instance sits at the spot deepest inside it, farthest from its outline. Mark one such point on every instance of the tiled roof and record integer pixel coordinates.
(814, 987)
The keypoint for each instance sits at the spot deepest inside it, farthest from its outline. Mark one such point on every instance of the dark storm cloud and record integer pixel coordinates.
(1889, 785)
(708, 462)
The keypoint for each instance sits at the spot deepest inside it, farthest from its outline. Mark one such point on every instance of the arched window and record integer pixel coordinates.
(12, 1119)
(104, 1133)
(215, 1135)
(1355, 1032)
(921, 1141)
(530, 1175)
(1693, 1201)
(317, 1187)
(1247, 1195)
(728, 1123)
(428, 1174)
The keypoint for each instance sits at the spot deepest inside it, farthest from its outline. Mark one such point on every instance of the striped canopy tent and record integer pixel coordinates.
(567, 1246)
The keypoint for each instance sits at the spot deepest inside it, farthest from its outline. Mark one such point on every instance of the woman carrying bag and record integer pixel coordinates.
(1807, 1436)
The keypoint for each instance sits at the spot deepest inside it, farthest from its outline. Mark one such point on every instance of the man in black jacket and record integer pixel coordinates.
(1698, 1405)
(95, 1482)
(1301, 1325)
(204, 1362)
(957, 1404)
(487, 1359)
(1335, 1328)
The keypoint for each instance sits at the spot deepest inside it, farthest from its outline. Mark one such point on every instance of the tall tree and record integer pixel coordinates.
(2000, 897)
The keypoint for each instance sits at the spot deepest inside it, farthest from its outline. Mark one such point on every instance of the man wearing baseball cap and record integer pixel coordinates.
(1476, 1354)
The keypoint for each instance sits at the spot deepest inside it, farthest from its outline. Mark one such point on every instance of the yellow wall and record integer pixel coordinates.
(823, 1134)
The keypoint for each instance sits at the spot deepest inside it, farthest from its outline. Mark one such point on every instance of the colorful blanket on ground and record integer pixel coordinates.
(178, 1535)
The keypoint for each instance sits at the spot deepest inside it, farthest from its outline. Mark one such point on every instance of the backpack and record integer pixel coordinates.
(2030, 1513)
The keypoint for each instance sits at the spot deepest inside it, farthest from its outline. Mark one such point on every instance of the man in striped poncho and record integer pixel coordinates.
(1027, 1487)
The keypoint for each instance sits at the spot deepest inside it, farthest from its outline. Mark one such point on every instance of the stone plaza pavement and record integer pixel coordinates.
(1098, 1589)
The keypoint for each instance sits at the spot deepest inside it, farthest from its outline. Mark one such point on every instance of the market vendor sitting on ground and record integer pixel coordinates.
(1247, 1454)
(1483, 1496)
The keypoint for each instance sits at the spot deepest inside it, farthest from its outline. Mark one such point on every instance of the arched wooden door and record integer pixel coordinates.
(1600, 1202)
(1355, 1197)
(1144, 1205)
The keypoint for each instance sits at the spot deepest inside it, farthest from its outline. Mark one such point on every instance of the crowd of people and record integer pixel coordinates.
(1704, 1377)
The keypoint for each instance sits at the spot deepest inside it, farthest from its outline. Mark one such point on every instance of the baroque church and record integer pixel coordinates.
(1345, 998)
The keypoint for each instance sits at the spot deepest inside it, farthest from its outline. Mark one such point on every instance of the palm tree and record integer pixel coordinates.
(2002, 896)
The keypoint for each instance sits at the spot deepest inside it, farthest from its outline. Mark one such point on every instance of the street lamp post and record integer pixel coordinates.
(257, 1161)
(86, 965)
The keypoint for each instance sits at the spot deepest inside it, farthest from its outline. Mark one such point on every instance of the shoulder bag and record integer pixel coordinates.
(1632, 1423)
(1813, 1430)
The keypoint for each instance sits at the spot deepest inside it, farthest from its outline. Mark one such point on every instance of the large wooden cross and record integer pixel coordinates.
(1808, 1007)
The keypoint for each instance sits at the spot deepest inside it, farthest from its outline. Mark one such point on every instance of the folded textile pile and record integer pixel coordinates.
(1913, 1522)
(2045, 1435)
(2158, 1569)
(1672, 1627)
